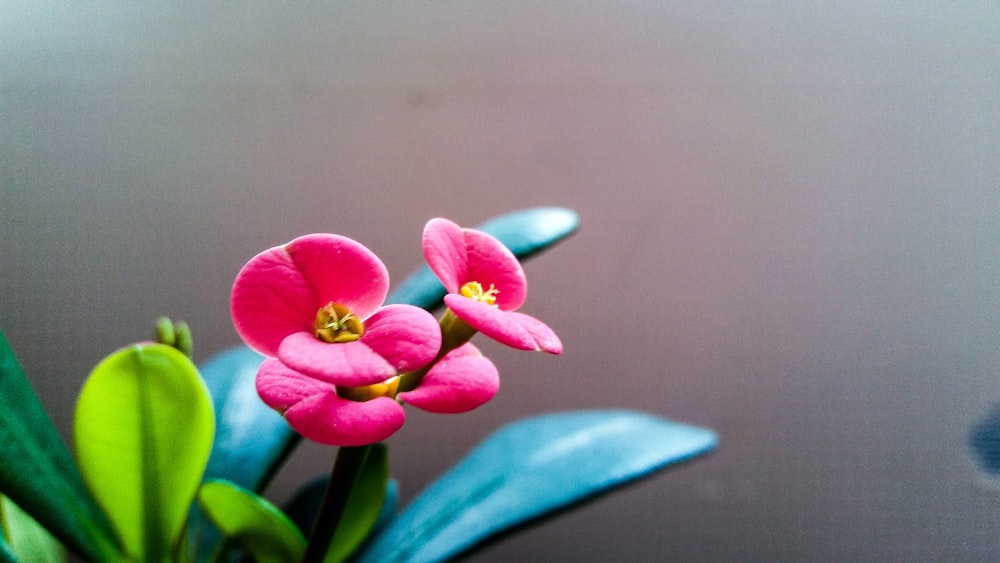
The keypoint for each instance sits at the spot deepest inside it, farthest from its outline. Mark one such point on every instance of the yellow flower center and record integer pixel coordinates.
(335, 323)
(385, 389)
(474, 290)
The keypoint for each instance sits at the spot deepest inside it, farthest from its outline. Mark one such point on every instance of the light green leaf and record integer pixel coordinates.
(28, 539)
(143, 432)
(257, 525)
(38, 473)
(363, 506)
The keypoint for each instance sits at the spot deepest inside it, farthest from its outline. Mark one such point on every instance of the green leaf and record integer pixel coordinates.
(143, 432)
(525, 233)
(38, 473)
(28, 539)
(257, 525)
(363, 506)
(304, 505)
(530, 468)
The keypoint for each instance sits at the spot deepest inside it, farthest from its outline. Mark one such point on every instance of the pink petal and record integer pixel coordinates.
(407, 337)
(545, 338)
(329, 419)
(279, 291)
(280, 387)
(460, 382)
(492, 263)
(341, 270)
(458, 256)
(270, 300)
(494, 322)
(353, 364)
(444, 250)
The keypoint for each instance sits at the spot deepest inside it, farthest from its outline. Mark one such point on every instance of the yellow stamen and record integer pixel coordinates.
(335, 323)
(474, 290)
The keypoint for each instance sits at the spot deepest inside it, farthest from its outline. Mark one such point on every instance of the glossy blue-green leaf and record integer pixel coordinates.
(527, 469)
(525, 233)
(253, 522)
(38, 473)
(250, 437)
(143, 431)
(28, 539)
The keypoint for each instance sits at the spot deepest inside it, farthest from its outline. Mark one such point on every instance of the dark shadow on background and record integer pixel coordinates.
(984, 440)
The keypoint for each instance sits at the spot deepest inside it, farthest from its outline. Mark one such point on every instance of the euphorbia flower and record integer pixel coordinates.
(459, 382)
(485, 285)
(313, 306)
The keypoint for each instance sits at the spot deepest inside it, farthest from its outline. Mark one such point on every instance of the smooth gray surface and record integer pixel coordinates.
(790, 231)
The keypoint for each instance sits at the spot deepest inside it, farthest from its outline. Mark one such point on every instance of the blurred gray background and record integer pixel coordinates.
(789, 231)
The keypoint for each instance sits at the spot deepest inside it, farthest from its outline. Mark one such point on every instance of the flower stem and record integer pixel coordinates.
(343, 477)
(454, 333)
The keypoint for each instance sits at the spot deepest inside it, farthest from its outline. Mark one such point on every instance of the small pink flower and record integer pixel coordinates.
(485, 285)
(313, 306)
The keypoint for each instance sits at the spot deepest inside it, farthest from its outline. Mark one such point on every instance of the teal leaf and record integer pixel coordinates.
(250, 437)
(38, 473)
(527, 469)
(255, 524)
(28, 539)
(143, 431)
(525, 233)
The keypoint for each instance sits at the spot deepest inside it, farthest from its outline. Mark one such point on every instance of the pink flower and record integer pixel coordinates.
(459, 382)
(314, 307)
(485, 285)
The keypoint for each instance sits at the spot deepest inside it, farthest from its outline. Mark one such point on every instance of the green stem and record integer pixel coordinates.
(454, 333)
(343, 477)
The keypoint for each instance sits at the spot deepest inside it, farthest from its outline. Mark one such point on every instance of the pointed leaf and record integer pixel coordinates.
(256, 524)
(363, 506)
(143, 431)
(527, 469)
(38, 473)
(28, 539)
(525, 233)
(304, 506)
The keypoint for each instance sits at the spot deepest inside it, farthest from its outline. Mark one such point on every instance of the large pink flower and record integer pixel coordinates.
(485, 285)
(459, 382)
(313, 306)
